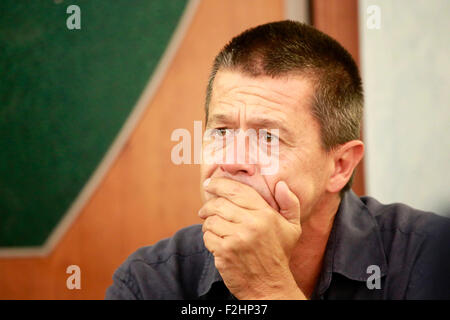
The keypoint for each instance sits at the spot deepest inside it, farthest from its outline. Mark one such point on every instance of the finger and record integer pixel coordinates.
(237, 192)
(219, 226)
(288, 202)
(212, 241)
(223, 208)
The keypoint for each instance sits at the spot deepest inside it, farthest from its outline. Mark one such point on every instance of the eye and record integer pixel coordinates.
(268, 137)
(222, 132)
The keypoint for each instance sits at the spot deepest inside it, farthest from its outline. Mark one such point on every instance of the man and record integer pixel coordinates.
(298, 232)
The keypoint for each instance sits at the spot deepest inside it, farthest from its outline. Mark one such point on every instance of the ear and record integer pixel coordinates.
(346, 157)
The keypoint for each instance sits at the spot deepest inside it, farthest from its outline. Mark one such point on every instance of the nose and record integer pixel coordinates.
(240, 154)
(239, 168)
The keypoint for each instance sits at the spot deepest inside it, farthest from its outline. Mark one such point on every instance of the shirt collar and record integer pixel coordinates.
(353, 245)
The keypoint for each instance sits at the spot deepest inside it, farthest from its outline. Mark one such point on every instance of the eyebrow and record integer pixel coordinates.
(220, 118)
(254, 122)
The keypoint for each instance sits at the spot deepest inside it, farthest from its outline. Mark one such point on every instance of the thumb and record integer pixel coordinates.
(288, 203)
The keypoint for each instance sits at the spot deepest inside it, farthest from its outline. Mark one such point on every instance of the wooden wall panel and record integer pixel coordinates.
(143, 197)
(339, 19)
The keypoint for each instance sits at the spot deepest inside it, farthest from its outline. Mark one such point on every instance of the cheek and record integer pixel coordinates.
(291, 165)
(303, 174)
(208, 164)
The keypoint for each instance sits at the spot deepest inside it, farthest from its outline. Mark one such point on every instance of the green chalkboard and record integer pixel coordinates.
(64, 96)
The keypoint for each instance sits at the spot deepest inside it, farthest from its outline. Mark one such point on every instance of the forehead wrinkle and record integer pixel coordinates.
(240, 103)
(258, 115)
(261, 116)
(257, 99)
(252, 90)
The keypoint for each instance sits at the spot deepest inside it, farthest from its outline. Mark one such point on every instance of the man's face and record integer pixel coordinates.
(264, 103)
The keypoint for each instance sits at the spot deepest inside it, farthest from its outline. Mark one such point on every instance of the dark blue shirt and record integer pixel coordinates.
(374, 251)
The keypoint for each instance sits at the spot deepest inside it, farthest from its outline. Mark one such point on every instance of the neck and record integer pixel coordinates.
(307, 257)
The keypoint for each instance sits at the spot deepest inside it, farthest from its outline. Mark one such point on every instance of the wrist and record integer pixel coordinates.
(287, 291)
(293, 292)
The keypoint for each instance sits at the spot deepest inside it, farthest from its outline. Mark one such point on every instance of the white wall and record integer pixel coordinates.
(405, 67)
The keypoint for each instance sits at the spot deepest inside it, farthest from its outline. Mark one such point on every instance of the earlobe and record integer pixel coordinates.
(346, 158)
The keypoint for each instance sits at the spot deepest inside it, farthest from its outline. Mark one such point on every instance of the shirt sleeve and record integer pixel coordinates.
(122, 288)
(169, 269)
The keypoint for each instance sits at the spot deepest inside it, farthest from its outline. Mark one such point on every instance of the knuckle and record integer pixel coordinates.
(211, 208)
(248, 239)
(206, 241)
(208, 206)
(228, 247)
(255, 225)
(205, 236)
(205, 226)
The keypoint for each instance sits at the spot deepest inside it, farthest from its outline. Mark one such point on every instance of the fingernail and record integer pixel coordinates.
(206, 182)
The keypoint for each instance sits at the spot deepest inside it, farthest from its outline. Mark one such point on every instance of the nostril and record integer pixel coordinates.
(237, 168)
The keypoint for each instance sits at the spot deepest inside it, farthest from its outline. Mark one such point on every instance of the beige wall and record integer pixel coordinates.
(406, 70)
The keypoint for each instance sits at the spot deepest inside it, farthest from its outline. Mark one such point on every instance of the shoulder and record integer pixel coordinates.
(185, 242)
(160, 271)
(417, 248)
(399, 217)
